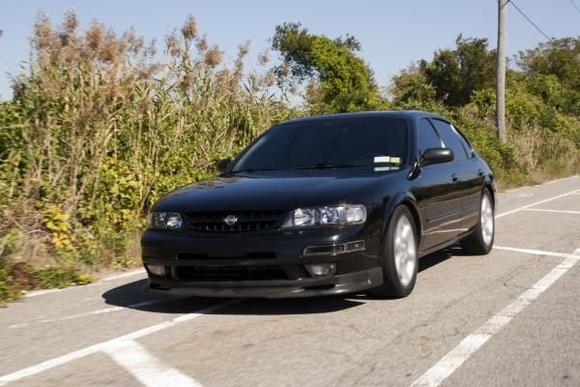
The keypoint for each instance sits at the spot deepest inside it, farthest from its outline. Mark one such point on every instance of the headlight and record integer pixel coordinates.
(345, 214)
(164, 221)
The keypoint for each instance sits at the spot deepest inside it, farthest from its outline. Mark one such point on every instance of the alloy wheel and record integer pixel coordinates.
(487, 221)
(405, 250)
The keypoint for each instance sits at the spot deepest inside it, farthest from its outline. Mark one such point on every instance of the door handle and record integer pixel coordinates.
(455, 178)
(480, 172)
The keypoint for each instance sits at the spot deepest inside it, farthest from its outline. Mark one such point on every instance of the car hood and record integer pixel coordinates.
(278, 190)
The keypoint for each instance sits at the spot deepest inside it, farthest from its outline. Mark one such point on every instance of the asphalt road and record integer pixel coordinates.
(509, 318)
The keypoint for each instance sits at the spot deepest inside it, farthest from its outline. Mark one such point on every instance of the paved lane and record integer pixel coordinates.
(112, 333)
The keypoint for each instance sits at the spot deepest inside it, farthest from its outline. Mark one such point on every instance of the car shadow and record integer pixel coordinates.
(436, 258)
(134, 296)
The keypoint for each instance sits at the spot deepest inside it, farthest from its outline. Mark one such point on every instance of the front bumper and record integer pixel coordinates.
(333, 285)
(269, 264)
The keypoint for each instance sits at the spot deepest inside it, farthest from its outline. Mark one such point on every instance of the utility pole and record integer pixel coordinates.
(501, 68)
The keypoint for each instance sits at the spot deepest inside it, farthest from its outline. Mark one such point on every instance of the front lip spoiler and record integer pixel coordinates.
(334, 285)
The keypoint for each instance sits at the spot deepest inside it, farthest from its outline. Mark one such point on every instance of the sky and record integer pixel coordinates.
(393, 33)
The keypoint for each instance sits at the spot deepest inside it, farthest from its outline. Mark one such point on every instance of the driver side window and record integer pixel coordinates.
(426, 137)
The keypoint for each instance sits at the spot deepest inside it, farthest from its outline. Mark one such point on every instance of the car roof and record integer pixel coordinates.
(404, 114)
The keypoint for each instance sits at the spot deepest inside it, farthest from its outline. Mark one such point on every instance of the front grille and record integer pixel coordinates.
(231, 273)
(256, 255)
(245, 220)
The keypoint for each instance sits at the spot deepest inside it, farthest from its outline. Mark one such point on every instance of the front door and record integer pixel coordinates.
(438, 193)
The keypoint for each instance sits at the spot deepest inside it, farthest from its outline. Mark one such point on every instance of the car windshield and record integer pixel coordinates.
(328, 143)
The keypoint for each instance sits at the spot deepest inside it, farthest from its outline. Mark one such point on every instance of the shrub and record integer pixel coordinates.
(100, 126)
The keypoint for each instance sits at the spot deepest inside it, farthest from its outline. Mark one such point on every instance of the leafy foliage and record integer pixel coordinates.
(543, 127)
(16, 277)
(451, 77)
(553, 72)
(100, 126)
(342, 82)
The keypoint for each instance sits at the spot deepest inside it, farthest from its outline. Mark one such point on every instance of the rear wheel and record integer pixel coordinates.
(480, 242)
(399, 259)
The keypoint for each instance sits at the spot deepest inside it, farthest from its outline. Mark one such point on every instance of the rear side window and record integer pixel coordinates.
(426, 136)
(463, 140)
(451, 139)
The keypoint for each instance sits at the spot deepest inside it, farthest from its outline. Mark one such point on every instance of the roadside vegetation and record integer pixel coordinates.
(101, 124)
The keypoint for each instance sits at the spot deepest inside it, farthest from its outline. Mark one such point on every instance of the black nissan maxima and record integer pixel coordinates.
(324, 205)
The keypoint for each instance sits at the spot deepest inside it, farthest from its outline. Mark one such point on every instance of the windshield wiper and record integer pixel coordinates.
(326, 166)
(254, 170)
(307, 166)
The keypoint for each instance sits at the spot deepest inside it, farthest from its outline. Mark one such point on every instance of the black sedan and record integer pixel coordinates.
(324, 205)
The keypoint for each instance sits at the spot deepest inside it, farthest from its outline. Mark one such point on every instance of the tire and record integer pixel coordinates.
(480, 241)
(399, 258)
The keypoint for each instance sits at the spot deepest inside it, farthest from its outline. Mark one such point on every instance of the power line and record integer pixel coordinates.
(512, 2)
(575, 5)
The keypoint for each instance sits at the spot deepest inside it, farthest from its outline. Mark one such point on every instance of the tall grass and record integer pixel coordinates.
(101, 124)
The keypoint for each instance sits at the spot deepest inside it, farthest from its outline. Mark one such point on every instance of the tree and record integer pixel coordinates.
(450, 78)
(411, 87)
(342, 81)
(553, 72)
(456, 74)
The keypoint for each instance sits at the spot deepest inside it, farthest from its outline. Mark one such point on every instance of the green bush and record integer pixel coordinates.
(100, 126)
(544, 131)
(17, 277)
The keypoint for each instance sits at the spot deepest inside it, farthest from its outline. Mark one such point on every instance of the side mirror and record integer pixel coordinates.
(223, 164)
(436, 156)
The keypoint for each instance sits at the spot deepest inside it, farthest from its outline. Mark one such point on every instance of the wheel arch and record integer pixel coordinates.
(408, 201)
(489, 185)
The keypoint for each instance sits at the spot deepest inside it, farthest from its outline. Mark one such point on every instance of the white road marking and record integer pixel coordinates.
(67, 358)
(91, 313)
(545, 183)
(562, 178)
(458, 355)
(532, 252)
(434, 376)
(515, 189)
(555, 211)
(536, 203)
(42, 292)
(145, 367)
(113, 277)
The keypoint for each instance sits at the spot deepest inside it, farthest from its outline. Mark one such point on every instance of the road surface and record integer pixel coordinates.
(509, 318)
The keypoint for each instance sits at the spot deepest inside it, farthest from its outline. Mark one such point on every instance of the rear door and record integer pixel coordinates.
(436, 192)
(474, 185)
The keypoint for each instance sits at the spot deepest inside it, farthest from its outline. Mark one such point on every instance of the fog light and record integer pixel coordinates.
(355, 246)
(158, 270)
(321, 269)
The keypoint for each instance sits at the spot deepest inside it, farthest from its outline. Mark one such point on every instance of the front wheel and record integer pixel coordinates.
(480, 241)
(399, 261)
